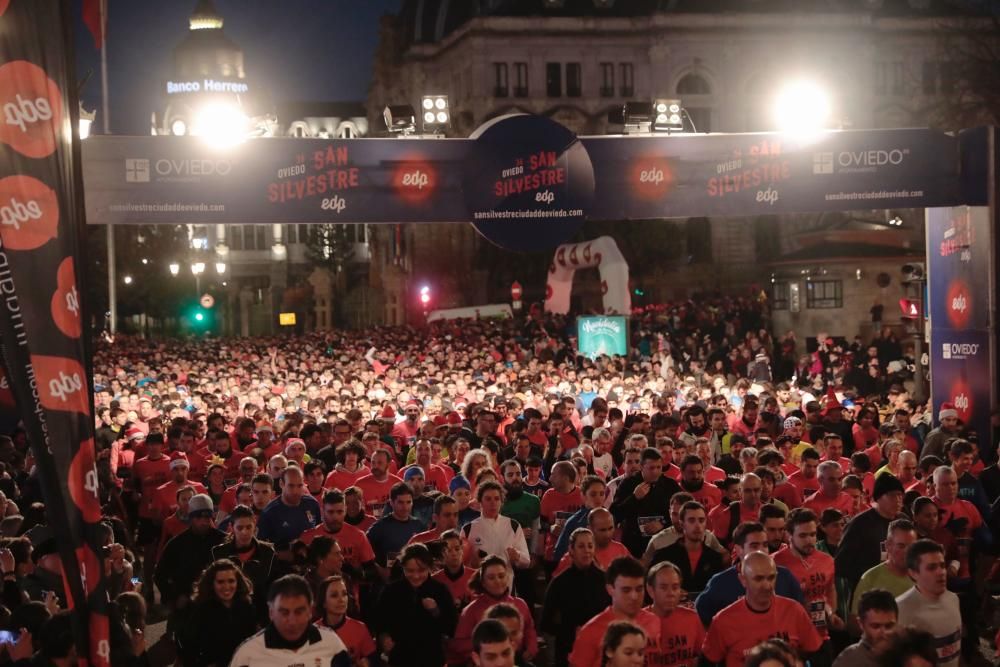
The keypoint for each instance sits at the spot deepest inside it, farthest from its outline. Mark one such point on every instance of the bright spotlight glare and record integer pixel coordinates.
(661, 119)
(440, 103)
(802, 106)
(428, 103)
(442, 117)
(675, 108)
(127, 280)
(661, 108)
(429, 117)
(178, 128)
(221, 125)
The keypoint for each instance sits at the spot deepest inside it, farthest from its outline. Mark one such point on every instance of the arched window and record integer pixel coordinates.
(693, 84)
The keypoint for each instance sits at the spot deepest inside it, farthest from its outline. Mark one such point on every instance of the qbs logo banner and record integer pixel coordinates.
(31, 107)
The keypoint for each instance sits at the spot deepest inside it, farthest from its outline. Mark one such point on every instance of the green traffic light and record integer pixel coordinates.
(199, 316)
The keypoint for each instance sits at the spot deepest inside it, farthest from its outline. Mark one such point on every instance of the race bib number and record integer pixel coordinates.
(817, 613)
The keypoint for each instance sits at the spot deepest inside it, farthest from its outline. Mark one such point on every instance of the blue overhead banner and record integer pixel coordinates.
(171, 180)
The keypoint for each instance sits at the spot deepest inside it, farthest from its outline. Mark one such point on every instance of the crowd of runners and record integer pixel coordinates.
(478, 493)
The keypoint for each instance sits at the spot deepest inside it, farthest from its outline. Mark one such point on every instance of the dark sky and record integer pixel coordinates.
(298, 50)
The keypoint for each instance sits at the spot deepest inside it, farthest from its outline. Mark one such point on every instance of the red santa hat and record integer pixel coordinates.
(947, 410)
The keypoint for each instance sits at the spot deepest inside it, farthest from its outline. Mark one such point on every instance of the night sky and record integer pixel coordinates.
(298, 50)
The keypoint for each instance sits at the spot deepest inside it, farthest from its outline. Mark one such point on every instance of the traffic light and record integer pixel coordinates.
(638, 292)
(425, 295)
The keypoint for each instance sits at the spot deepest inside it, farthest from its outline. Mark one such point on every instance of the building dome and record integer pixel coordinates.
(206, 51)
(205, 17)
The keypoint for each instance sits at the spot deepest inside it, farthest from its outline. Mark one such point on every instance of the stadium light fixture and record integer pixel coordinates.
(668, 116)
(435, 112)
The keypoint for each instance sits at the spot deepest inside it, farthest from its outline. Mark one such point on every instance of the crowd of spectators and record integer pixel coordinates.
(476, 492)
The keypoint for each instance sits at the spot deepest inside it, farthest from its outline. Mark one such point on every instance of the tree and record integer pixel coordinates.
(329, 246)
(963, 75)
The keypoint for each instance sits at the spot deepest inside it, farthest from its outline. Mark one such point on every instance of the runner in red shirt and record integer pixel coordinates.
(435, 478)
(814, 570)
(606, 549)
(626, 578)
(454, 573)
(957, 521)
(693, 481)
(378, 484)
(560, 501)
(757, 616)
(247, 471)
(149, 473)
(830, 494)
(166, 494)
(724, 518)
(681, 631)
(835, 451)
(353, 543)
(350, 467)
(332, 604)
(805, 480)
(445, 518)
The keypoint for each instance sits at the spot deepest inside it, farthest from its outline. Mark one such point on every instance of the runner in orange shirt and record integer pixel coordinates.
(681, 631)
(814, 570)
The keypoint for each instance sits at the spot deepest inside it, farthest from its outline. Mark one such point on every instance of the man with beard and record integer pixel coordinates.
(524, 508)
(377, 485)
(936, 439)
(353, 542)
(814, 570)
(631, 465)
(641, 501)
(747, 423)
(696, 420)
(693, 481)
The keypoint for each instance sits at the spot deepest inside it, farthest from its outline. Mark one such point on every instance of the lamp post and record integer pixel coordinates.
(197, 268)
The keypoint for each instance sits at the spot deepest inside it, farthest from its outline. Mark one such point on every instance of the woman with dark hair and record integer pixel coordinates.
(415, 614)
(624, 645)
(325, 559)
(332, 604)
(215, 482)
(223, 616)
(772, 653)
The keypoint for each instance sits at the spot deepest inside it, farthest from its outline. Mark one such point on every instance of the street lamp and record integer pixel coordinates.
(220, 267)
(127, 280)
(175, 268)
(802, 106)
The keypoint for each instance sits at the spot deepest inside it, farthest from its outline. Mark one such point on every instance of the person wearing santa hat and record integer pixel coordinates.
(948, 428)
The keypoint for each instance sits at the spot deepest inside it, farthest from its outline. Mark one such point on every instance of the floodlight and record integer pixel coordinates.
(437, 114)
(400, 119)
(668, 116)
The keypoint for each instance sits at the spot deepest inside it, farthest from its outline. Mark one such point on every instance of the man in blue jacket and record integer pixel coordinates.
(725, 588)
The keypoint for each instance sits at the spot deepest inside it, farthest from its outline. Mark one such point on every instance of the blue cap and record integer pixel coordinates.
(459, 482)
(412, 472)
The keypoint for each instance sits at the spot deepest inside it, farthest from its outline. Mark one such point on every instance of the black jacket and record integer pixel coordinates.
(418, 636)
(572, 599)
(627, 509)
(261, 569)
(183, 560)
(694, 582)
(214, 631)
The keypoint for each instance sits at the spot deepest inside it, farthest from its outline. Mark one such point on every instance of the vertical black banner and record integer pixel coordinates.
(41, 327)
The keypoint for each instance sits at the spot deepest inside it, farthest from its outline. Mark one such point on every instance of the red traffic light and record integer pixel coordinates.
(515, 291)
(911, 308)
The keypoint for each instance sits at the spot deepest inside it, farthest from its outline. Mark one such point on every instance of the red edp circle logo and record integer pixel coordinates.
(29, 213)
(30, 109)
(961, 397)
(66, 300)
(958, 303)
(651, 178)
(83, 484)
(415, 180)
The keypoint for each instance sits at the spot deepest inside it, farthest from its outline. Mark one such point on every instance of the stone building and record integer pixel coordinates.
(574, 60)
